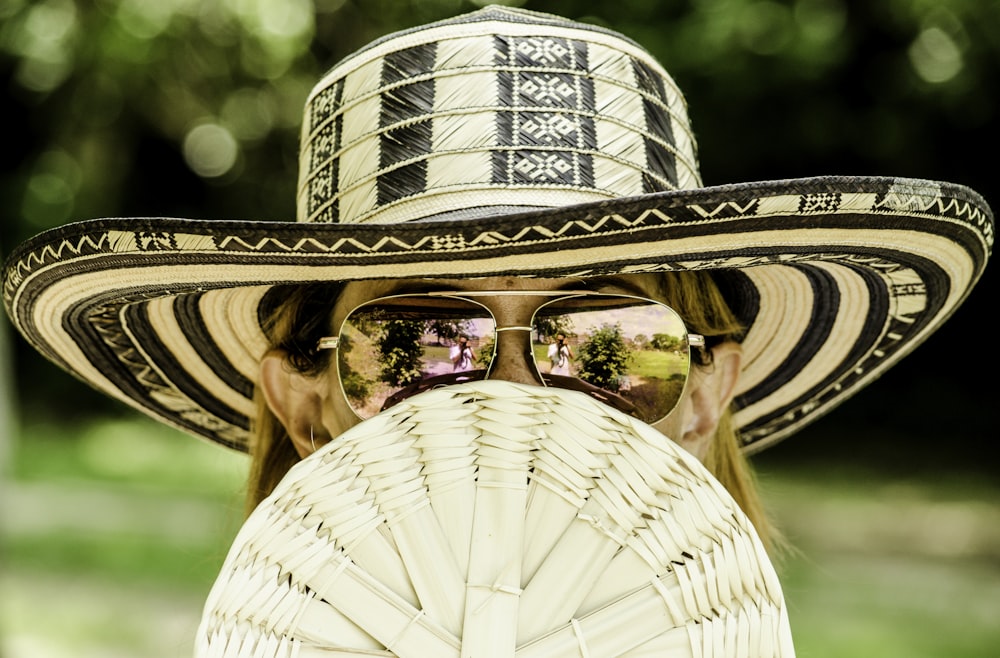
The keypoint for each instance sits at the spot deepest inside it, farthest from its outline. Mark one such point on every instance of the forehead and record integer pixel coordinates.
(357, 293)
(646, 285)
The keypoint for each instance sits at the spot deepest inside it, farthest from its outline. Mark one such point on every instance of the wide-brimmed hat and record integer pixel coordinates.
(506, 142)
(497, 519)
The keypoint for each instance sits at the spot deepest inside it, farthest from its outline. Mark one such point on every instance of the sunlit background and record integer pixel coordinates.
(113, 527)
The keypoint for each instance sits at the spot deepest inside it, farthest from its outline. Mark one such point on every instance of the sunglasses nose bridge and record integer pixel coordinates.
(513, 360)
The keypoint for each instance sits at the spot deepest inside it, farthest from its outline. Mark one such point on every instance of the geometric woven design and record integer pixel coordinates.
(506, 142)
(491, 115)
(497, 519)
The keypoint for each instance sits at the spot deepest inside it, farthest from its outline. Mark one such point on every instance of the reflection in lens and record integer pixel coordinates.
(632, 352)
(401, 346)
(627, 352)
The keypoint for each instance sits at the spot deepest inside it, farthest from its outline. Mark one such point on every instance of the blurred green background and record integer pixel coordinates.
(113, 528)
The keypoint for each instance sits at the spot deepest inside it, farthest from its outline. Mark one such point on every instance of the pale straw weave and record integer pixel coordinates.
(495, 519)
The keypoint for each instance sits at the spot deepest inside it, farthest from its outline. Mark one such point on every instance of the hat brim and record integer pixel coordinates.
(837, 279)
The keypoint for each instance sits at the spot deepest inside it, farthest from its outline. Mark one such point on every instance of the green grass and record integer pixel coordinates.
(851, 604)
(129, 500)
(647, 363)
(654, 363)
(888, 567)
(120, 557)
(112, 535)
(133, 451)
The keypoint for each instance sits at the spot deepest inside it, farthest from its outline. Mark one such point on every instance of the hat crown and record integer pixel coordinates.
(493, 111)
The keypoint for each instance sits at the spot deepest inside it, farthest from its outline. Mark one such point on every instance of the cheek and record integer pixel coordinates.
(337, 414)
(671, 426)
(696, 446)
(675, 428)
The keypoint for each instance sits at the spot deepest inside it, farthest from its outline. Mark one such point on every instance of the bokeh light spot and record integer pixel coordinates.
(935, 56)
(821, 21)
(52, 21)
(51, 190)
(766, 27)
(288, 19)
(145, 20)
(249, 113)
(43, 42)
(210, 150)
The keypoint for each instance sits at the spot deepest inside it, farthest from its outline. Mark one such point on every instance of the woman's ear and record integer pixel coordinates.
(713, 390)
(295, 399)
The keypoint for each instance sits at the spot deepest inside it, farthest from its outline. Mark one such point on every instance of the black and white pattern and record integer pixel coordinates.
(492, 116)
(546, 127)
(326, 126)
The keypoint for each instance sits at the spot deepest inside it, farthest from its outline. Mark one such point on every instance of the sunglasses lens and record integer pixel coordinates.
(630, 353)
(394, 348)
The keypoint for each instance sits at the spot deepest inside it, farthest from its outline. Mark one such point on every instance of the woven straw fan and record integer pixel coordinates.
(494, 519)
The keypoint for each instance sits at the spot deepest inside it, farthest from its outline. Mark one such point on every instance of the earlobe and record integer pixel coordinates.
(295, 400)
(714, 389)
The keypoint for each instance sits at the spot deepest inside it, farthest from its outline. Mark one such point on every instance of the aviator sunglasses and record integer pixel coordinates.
(629, 352)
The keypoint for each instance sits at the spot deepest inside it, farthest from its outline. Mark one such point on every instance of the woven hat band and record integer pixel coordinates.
(494, 112)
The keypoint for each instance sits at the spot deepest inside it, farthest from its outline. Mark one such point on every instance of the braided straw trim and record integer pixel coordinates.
(496, 519)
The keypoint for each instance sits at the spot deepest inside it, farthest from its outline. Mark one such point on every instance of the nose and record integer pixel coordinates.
(513, 360)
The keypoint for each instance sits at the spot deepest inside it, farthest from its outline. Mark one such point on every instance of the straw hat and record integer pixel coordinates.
(514, 143)
(497, 519)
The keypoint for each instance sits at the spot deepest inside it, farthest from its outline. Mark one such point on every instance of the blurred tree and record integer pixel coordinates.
(665, 342)
(192, 108)
(449, 330)
(547, 327)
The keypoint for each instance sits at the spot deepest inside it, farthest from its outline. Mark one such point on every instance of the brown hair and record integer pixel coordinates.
(299, 316)
(699, 300)
(294, 318)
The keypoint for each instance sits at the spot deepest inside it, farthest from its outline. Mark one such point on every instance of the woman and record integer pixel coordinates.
(304, 413)
(461, 354)
(510, 170)
(560, 354)
(290, 425)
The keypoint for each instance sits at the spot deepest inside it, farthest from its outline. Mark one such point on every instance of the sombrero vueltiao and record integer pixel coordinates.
(507, 142)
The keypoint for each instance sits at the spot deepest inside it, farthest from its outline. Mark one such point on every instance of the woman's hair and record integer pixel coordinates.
(296, 317)
(697, 297)
(293, 318)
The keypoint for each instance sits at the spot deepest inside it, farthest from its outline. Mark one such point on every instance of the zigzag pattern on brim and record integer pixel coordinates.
(837, 278)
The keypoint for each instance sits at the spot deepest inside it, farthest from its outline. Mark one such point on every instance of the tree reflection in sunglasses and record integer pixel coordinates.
(633, 357)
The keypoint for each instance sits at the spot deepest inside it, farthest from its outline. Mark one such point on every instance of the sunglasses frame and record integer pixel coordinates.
(695, 341)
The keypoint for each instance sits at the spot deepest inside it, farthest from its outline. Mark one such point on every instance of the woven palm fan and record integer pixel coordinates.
(496, 519)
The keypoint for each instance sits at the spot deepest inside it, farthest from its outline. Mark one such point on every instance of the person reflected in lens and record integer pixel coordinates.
(560, 354)
(462, 355)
